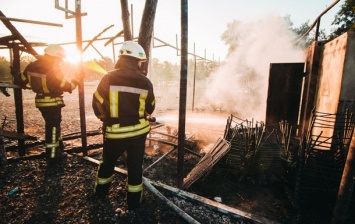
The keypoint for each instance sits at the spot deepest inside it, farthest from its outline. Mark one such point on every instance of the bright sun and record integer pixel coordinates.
(73, 55)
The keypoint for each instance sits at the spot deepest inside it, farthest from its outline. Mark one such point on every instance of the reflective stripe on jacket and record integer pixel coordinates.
(48, 101)
(122, 100)
(117, 132)
(45, 77)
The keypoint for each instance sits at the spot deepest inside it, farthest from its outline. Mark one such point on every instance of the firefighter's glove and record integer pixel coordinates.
(151, 119)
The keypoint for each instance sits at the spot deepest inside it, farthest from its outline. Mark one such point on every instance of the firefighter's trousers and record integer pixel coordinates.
(114, 148)
(53, 143)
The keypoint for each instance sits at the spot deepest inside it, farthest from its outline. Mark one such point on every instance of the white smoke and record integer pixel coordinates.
(260, 42)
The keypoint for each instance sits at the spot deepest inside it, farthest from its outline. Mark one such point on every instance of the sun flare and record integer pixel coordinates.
(73, 56)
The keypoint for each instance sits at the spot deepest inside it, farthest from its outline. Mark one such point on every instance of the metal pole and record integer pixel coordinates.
(183, 86)
(317, 30)
(194, 85)
(132, 28)
(316, 20)
(79, 44)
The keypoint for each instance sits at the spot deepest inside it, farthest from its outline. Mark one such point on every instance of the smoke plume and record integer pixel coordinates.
(240, 85)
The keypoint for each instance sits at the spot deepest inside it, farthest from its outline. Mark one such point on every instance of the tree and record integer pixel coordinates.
(310, 38)
(203, 70)
(230, 36)
(25, 60)
(125, 20)
(5, 74)
(146, 29)
(106, 63)
(344, 19)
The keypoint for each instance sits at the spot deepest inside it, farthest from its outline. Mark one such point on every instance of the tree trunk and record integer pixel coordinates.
(125, 21)
(146, 29)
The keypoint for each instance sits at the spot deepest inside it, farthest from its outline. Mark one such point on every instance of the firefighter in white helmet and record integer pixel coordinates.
(123, 100)
(46, 79)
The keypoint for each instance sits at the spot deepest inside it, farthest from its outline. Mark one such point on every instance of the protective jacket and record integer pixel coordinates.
(122, 100)
(47, 80)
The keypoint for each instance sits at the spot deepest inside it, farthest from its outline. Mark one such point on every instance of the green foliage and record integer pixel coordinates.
(344, 19)
(25, 60)
(231, 37)
(5, 72)
(310, 38)
(106, 63)
(5, 67)
(163, 72)
(201, 71)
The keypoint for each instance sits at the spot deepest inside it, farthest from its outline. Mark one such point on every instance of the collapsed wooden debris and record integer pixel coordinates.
(192, 197)
(220, 148)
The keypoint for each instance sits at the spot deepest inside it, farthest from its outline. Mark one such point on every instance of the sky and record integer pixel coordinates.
(207, 20)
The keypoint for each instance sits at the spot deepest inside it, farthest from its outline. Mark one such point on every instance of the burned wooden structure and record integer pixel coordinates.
(16, 43)
(309, 127)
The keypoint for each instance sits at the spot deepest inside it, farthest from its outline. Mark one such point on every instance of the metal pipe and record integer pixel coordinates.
(317, 19)
(193, 89)
(162, 157)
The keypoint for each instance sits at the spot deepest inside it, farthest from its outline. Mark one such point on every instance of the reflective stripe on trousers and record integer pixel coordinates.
(52, 147)
(135, 188)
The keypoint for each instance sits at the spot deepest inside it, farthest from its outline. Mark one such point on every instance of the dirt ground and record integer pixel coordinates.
(63, 193)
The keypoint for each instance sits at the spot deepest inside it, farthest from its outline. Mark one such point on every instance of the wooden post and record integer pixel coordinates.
(183, 87)
(346, 187)
(3, 156)
(18, 99)
(79, 44)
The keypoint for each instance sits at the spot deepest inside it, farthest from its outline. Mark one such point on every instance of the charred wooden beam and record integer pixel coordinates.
(30, 21)
(29, 157)
(96, 37)
(173, 144)
(18, 35)
(16, 136)
(196, 198)
(79, 149)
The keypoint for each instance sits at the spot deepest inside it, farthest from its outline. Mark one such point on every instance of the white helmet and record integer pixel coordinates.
(133, 49)
(55, 50)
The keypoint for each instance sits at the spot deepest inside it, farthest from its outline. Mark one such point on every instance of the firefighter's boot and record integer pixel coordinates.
(102, 187)
(134, 196)
(55, 155)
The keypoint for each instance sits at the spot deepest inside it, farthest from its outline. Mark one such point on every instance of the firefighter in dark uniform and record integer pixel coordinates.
(46, 79)
(123, 101)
